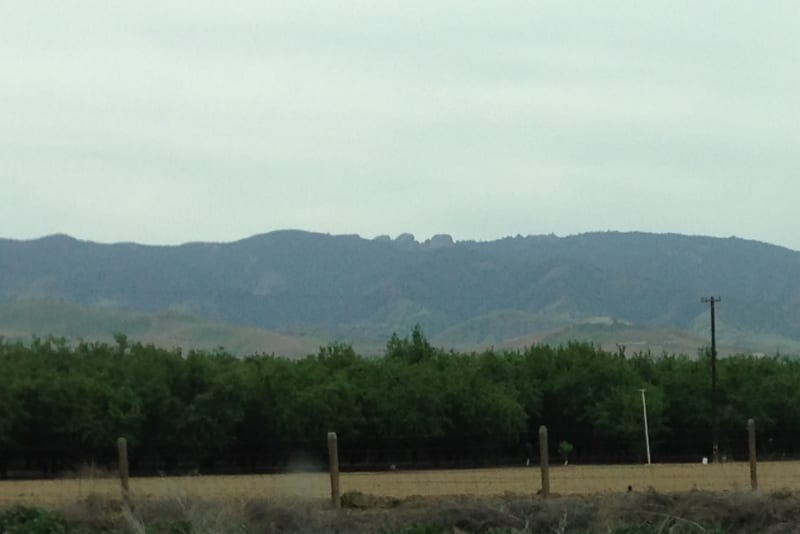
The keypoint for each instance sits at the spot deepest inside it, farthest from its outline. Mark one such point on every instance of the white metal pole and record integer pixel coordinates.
(646, 432)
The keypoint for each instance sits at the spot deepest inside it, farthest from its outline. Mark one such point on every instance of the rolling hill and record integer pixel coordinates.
(20, 320)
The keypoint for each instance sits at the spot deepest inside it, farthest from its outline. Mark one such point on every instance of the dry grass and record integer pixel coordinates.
(570, 480)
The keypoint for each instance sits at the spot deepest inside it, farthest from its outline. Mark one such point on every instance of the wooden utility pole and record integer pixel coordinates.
(714, 402)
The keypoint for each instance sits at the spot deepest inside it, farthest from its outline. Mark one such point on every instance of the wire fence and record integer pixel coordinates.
(375, 453)
(408, 470)
(398, 484)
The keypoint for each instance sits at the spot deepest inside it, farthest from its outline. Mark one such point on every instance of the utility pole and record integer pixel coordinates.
(646, 431)
(714, 407)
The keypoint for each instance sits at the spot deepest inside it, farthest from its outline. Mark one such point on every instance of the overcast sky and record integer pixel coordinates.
(174, 121)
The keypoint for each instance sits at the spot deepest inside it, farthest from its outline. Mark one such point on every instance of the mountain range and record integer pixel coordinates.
(289, 291)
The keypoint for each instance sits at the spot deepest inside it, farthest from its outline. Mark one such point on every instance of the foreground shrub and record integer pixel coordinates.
(25, 520)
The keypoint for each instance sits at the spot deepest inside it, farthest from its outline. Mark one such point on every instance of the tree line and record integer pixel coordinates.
(63, 405)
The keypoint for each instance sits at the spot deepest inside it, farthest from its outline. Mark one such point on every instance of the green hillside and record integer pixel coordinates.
(612, 336)
(42, 318)
(502, 329)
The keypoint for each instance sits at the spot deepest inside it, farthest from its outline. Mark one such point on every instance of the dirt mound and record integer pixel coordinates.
(733, 512)
(692, 512)
(363, 501)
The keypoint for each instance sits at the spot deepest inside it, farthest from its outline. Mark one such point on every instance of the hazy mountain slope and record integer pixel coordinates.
(22, 319)
(461, 293)
(611, 336)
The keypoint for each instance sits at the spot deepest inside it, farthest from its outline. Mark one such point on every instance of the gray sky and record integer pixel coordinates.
(165, 122)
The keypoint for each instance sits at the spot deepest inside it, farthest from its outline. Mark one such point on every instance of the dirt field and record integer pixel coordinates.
(570, 480)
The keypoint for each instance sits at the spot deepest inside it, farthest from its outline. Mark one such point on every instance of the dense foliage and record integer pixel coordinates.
(63, 405)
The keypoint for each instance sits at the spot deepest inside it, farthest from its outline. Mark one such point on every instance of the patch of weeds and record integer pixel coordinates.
(640, 529)
(25, 520)
(177, 526)
(653, 529)
(417, 529)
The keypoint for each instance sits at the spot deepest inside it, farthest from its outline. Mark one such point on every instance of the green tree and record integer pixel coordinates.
(564, 450)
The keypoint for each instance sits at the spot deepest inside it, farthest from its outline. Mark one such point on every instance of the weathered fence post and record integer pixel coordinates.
(122, 453)
(544, 456)
(751, 446)
(333, 455)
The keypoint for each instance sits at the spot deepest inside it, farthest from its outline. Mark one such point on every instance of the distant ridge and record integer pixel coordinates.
(462, 293)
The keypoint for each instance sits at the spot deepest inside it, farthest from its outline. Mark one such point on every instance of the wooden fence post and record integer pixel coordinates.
(122, 453)
(751, 446)
(333, 456)
(544, 456)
